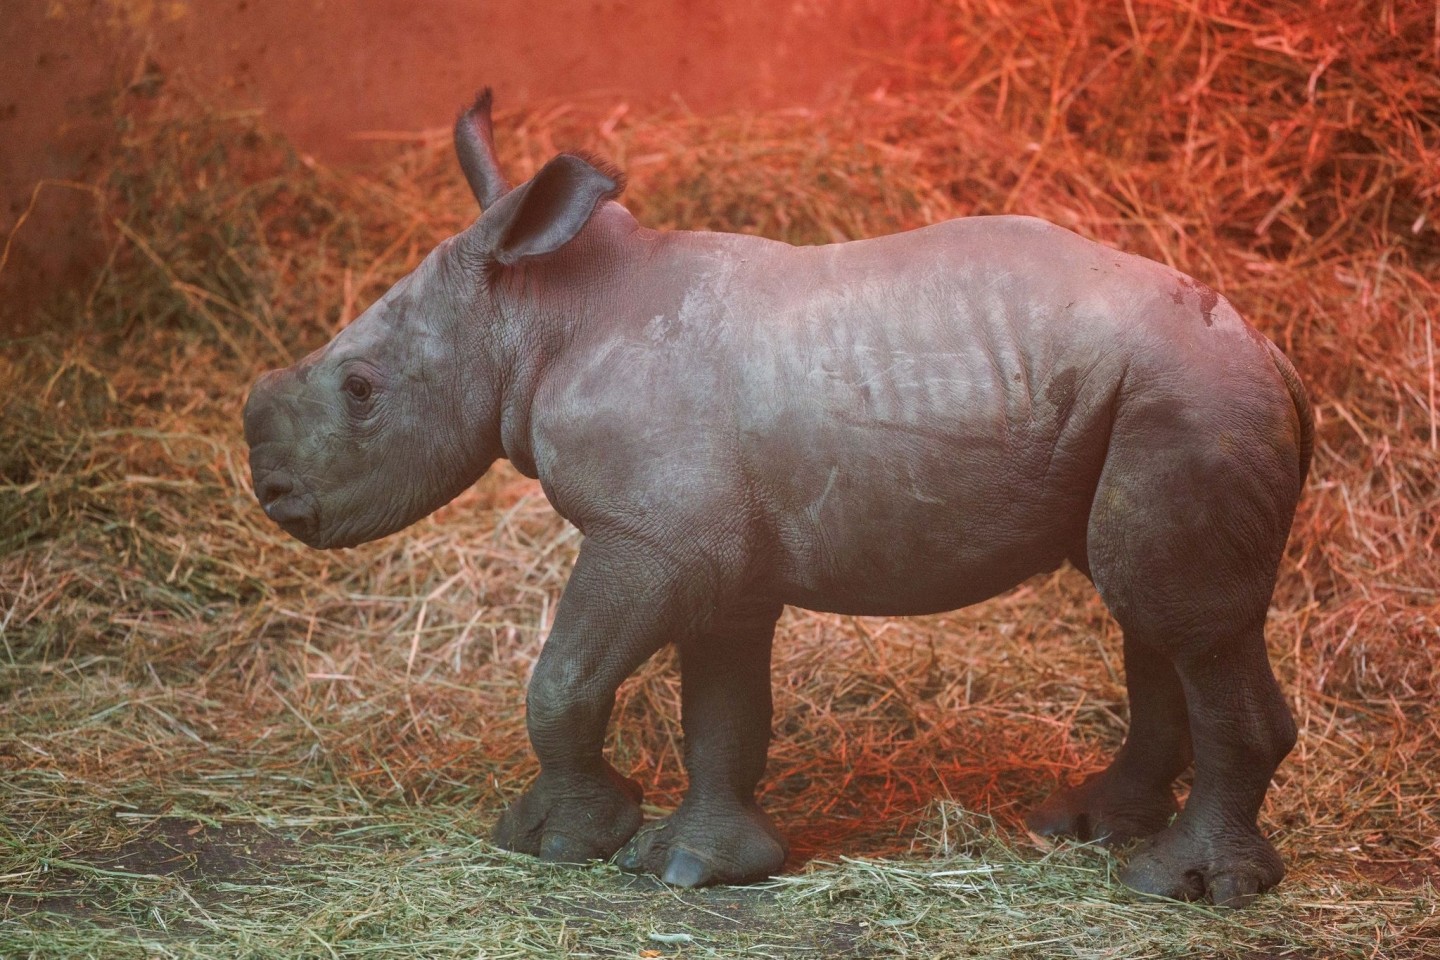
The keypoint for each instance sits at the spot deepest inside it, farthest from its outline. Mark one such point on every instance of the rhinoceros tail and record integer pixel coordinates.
(1302, 406)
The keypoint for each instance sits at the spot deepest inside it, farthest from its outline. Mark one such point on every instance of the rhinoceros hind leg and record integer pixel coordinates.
(1184, 539)
(1131, 798)
(1106, 808)
(1184, 862)
(1242, 729)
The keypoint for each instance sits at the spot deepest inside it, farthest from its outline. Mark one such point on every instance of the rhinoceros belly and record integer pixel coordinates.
(898, 477)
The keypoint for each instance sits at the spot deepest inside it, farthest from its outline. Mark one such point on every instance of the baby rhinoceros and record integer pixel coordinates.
(901, 425)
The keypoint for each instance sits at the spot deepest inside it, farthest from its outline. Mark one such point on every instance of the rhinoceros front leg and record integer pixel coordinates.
(719, 834)
(620, 605)
(1133, 797)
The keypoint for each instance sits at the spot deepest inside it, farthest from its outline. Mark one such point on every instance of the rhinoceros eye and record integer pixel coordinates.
(357, 387)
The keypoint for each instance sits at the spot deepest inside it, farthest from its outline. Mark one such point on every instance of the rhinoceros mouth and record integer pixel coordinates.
(297, 516)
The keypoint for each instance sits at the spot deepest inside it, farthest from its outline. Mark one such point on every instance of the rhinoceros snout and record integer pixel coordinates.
(267, 430)
(260, 409)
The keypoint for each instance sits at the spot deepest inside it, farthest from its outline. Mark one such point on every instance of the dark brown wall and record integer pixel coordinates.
(323, 70)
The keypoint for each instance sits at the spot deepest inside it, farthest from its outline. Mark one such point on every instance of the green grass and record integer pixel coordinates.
(416, 882)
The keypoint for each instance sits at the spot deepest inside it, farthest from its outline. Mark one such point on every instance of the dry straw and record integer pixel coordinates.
(218, 743)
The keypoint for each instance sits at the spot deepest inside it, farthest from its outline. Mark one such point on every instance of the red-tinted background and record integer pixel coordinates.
(324, 70)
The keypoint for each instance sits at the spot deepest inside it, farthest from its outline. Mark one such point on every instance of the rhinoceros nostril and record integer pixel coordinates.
(272, 487)
(294, 512)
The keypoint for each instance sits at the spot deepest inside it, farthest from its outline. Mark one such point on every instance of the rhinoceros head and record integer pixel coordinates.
(400, 412)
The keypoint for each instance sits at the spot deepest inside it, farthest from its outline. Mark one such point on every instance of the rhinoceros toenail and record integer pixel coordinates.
(685, 870)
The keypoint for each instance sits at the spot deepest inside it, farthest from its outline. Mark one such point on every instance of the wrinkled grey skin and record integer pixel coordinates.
(894, 426)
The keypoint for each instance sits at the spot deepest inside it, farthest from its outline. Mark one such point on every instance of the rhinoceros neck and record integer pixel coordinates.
(544, 303)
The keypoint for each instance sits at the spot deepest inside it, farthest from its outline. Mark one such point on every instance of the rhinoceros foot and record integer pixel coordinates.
(707, 843)
(1107, 807)
(572, 819)
(1227, 866)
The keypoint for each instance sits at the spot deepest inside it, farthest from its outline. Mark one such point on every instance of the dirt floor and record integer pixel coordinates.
(215, 742)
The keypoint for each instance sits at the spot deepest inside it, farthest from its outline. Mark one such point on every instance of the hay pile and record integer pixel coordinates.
(335, 728)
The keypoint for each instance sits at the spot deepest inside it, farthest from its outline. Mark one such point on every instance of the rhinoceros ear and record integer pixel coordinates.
(548, 211)
(475, 146)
